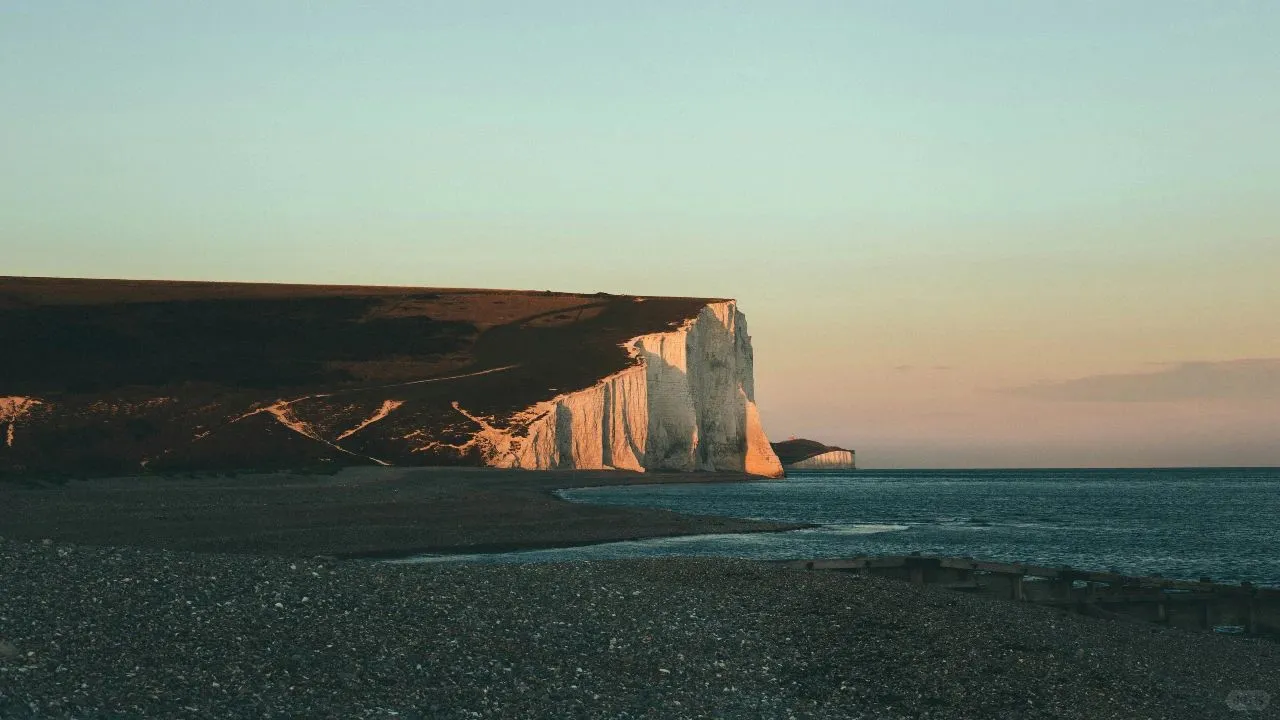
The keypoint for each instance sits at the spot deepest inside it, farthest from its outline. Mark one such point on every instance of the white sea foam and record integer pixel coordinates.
(417, 559)
(861, 528)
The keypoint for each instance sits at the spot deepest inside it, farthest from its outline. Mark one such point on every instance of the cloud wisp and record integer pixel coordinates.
(1248, 379)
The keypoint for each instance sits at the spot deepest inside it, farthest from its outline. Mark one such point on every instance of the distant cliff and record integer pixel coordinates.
(110, 376)
(802, 454)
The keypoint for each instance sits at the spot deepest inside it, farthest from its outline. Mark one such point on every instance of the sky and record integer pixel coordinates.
(965, 234)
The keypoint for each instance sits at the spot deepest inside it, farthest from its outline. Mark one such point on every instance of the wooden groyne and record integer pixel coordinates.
(1200, 605)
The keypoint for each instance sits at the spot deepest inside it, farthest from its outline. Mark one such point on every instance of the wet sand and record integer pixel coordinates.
(358, 512)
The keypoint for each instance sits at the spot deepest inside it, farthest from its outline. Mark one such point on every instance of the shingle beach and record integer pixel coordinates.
(100, 632)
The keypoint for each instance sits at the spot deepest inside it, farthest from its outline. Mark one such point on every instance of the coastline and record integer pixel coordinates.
(357, 513)
(179, 599)
(531, 545)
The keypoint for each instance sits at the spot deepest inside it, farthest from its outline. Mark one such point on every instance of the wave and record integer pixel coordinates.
(858, 529)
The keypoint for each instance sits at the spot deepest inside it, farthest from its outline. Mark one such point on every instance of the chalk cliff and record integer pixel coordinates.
(114, 376)
(831, 460)
(687, 403)
(802, 454)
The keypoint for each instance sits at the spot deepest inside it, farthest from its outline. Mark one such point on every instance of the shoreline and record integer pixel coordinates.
(275, 627)
(371, 513)
(533, 546)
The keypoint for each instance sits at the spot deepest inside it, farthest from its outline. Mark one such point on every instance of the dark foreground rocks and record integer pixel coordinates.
(90, 632)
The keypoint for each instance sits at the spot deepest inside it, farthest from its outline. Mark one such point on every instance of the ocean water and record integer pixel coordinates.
(1180, 523)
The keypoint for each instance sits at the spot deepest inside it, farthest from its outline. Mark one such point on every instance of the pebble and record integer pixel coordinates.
(729, 638)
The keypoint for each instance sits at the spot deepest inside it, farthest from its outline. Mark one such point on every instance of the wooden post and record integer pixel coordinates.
(1018, 592)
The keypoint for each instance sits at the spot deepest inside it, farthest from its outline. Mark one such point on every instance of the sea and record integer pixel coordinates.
(1220, 523)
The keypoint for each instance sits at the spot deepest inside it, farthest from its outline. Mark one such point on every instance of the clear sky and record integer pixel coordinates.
(964, 233)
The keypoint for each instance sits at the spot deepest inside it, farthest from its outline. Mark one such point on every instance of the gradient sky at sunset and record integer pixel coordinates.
(964, 233)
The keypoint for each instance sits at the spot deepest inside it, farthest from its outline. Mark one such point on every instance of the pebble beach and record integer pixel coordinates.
(110, 632)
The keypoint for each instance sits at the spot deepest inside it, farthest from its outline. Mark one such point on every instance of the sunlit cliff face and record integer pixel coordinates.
(687, 404)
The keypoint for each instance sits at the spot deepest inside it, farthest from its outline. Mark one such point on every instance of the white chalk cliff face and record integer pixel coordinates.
(832, 460)
(687, 404)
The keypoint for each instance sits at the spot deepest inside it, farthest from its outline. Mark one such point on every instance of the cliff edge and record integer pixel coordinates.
(113, 376)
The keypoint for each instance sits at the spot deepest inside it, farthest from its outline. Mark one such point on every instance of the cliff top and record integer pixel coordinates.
(18, 291)
(88, 336)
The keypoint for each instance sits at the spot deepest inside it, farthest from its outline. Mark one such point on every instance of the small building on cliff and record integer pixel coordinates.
(802, 454)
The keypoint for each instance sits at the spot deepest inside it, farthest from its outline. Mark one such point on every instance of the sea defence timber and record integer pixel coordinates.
(1202, 605)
